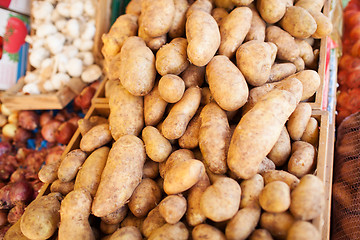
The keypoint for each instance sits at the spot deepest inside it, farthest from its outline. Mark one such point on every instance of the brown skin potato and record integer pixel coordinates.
(303, 159)
(302, 230)
(261, 234)
(243, 223)
(126, 233)
(193, 76)
(133, 7)
(74, 214)
(281, 151)
(144, 198)
(41, 217)
(314, 5)
(245, 153)
(151, 169)
(311, 82)
(324, 25)
(126, 113)
(205, 231)
(277, 224)
(227, 4)
(202, 33)
(153, 221)
(307, 54)
(157, 16)
(242, 2)
(172, 58)
(214, 137)
(157, 147)
(266, 165)
(275, 197)
(49, 172)
(14, 232)
(116, 217)
(280, 71)
(271, 10)
(258, 26)
(279, 175)
(311, 133)
(250, 191)
(123, 171)
(133, 221)
(177, 156)
(154, 107)
(200, 5)
(219, 14)
(154, 43)
(206, 96)
(89, 175)
(85, 125)
(308, 198)
(177, 28)
(70, 165)
(221, 200)
(233, 30)
(108, 228)
(231, 94)
(190, 139)
(172, 208)
(171, 88)
(96, 137)
(175, 124)
(298, 121)
(170, 231)
(62, 187)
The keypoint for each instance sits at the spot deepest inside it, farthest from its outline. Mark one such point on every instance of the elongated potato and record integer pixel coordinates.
(133, 221)
(190, 139)
(298, 121)
(199, 5)
(275, 197)
(254, 59)
(281, 151)
(260, 234)
(278, 175)
(153, 221)
(214, 137)
(278, 224)
(70, 165)
(242, 2)
(75, 211)
(231, 94)
(172, 208)
(41, 217)
(280, 71)
(271, 10)
(205, 231)
(96, 137)
(144, 198)
(314, 5)
(202, 33)
(243, 223)
(133, 7)
(154, 43)
(126, 113)
(324, 25)
(151, 169)
(193, 76)
(311, 82)
(250, 191)
(14, 232)
(177, 28)
(116, 217)
(298, 22)
(258, 26)
(108, 228)
(302, 230)
(126, 233)
(221, 200)
(219, 14)
(177, 156)
(89, 175)
(137, 67)
(233, 30)
(175, 124)
(85, 125)
(62, 187)
(172, 58)
(303, 159)
(171, 88)
(307, 54)
(49, 172)
(123, 172)
(157, 147)
(311, 133)
(157, 16)
(274, 109)
(154, 107)
(170, 231)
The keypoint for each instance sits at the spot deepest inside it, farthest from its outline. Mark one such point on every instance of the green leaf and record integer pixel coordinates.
(14, 57)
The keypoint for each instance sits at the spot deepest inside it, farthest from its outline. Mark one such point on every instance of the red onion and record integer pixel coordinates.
(16, 212)
(5, 202)
(49, 129)
(18, 175)
(21, 192)
(3, 217)
(45, 117)
(28, 120)
(5, 147)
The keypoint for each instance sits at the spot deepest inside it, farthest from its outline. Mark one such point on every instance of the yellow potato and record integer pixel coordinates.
(70, 165)
(314, 5)
(177, 28)
(133, 7)
(172, 208)
(311, 82)
(242, 2)
(126, 233)
(271, 10)
(154, 107)
(85, 125)
(278, 224)
(62, 187)
(303, 159)
(132, 221)
(280, 71)
(324, 25)
(154, 43)
(278, 175)
(281, 151)
(275, 197)
(170, 231)
(298, 121)
(157, 147)
(250, 191)
(260, 234)
(307, 54)
(199, 5)
(311, 133)
(219, 14)
(171, 88)
(205, 231)
(258, 26)
(302, 230)
(177, 156)
(153, 221)
(49, 172)
(190, 139)
(193, 76)
(116, 217)
(96, 137)
(14, 232)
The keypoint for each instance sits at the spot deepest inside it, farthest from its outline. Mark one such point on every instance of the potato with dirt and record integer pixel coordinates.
(303, 159)
(298, 121)
(157, 147)
(272, 10)
(258, 26)
(177, 28)
(303, 230)
(280, 71)
(311, 82)
(154, 107)
(190, 139)
(275, 197)
(62, 187)
(281, 151)
(171, 88)
(71, 164)
(193, 76)
(116, 216)
(278, 224)
(96, 137)
(172, 208)
(126, 233)
(250, 191)
(205, 231)
(311, 133)
(279, 175)
(153, 221)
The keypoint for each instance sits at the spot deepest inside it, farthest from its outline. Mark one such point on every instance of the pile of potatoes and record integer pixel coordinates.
(197, 144)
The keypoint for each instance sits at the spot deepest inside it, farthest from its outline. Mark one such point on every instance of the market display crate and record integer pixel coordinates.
(15, 100)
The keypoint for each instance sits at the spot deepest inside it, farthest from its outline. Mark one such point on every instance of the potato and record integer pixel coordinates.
(14, 232)
(246, 151)
(124, 27)
(279, 175)
(154, 107)
(41, 217)
(348, 171)
(177, 156)
(170, 231)
(133, 7)
(89, 174)
(281, 151)
(157, 16)
(157, 147)
(116, 216)
(153, 221)
(132, 221)
(233, 30)
(172, 208)
(227, 4)
(219, 14)
(308, 198)
(175, 124)
(258, 26)
(205, 231)
(260, 234)
(287, 47)
(307, 54)
(154, 43)
(250, 191)
(177, 28)
(324, 25)
(144, 198)
(214, 137)
(206, 96)
(280, 71)
(342, 194)
(311, 133)
(254, 59)
(137, 66)
(242, 2)
(243, 223)
(231, 94)
(85, 125)
(121, 175)
(126, 113)
(298, 121)
(193, 76)
(271, 10)
(221, 200)
(266, 165)
(74, 214)
(303, 159)
(96, 137)
(190, 139)
(302, 230)
(171, 88)
(151, 169)
(62, 187)
(275, 197)
(126, 233)
(70, 165)
(172, 58)
(278, 224)
(182, 176)
(49, 172)
(203, 36)
(311, 82)
(314, 5)
(108, 228)
(298, 22)
(199, 5)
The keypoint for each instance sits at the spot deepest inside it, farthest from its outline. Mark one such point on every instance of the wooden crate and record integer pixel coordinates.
(15, 100)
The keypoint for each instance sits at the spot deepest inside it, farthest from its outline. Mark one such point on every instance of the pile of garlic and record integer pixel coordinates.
(61, 47)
